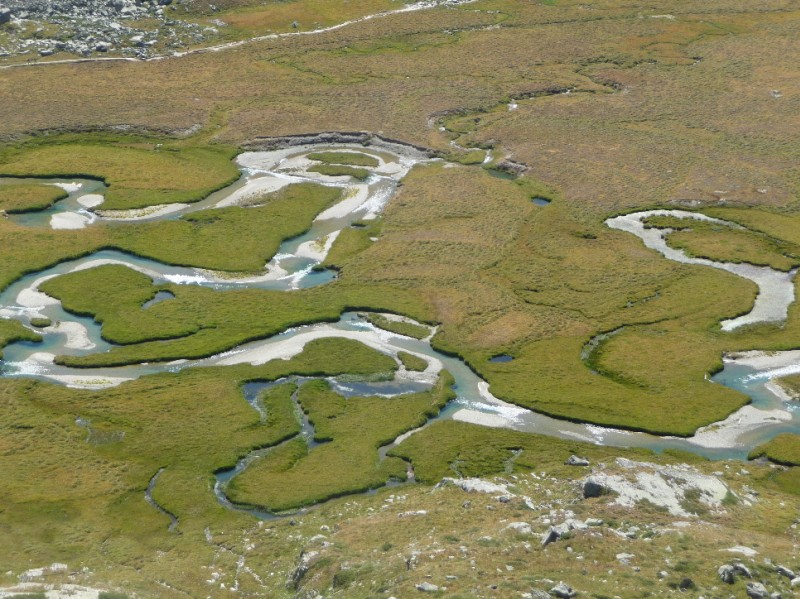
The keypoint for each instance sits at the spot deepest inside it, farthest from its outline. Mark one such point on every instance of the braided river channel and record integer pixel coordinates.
(293, 267)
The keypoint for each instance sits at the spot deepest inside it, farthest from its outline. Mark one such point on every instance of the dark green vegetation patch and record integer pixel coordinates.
(349, 158)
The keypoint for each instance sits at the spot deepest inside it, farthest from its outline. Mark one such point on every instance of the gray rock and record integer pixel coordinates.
(756, 590)
(574, 460)
(551, 536)
(795, 582)
(593, 488)
(726, 574)
(5, 15)
(303, 566)
(537, 594)
(103, 46)
(776, 595)
(427, 587)
(594, 522)
(563, 591)
(784, 571)
(742, 569)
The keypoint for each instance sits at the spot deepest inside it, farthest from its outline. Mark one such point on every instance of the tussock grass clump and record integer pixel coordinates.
(29, 198)
(412, 362)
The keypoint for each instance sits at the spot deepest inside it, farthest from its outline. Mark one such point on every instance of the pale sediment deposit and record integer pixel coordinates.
(69, 220)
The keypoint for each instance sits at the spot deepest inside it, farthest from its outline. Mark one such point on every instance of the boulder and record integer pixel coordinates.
(742, 569)
(551, 536)
(726, 574)
(784, 571)
(563, 591)
(756, 590)
(427, 587)
(5, 15)
(574, 460)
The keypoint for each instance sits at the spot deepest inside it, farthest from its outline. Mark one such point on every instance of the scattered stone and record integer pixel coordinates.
(427, 587)
(563, 591)
(522, 528)
(726, 574)
(574, 460)
(594, 522)
(412, 513)
(784, 571)
(742, 569)
(537, 594)
(78, 27)
(625, 558)
(663, 574)
(795, 582)
(551, 536)
(776, 595)
(756, 590)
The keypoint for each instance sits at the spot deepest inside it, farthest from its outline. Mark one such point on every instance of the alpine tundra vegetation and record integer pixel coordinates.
(387, 298)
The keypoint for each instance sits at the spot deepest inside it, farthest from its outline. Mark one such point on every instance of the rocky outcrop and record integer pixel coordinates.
(307, 559)
(86, 27)
(672, 487)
